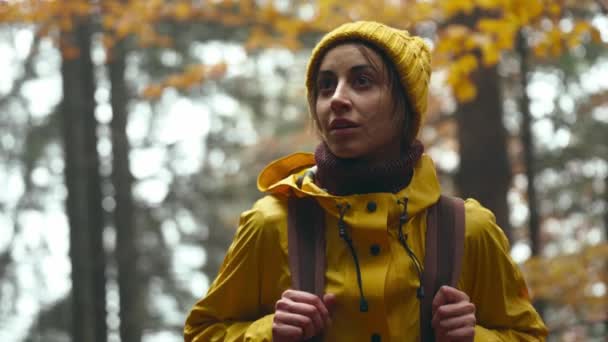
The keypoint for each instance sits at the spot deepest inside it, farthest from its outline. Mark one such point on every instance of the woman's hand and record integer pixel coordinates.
(453, 316)
(300, 315)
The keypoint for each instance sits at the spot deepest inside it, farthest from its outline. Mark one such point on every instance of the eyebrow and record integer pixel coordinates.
(355, 68)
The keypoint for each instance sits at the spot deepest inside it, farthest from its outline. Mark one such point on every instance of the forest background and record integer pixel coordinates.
(133, 131)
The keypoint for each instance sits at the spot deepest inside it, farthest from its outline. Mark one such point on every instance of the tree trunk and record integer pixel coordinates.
(84, 188)
(528, 146)
(131, 302)
(485, 171)
(606, 206)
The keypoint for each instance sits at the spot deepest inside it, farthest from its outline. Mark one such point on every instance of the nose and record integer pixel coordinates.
(340, 101)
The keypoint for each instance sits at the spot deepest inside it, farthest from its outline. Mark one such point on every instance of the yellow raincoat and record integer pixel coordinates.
(240, 303)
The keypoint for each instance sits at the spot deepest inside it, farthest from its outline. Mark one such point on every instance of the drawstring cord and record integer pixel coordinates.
(343, 208)
(403, 239)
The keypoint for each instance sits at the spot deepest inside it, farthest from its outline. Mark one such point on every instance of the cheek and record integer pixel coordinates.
(321, 114)
(386, 126)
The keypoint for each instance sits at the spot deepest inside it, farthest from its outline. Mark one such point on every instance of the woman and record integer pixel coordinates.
(367, 91)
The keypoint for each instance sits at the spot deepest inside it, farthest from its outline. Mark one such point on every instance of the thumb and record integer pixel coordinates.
(329, 299)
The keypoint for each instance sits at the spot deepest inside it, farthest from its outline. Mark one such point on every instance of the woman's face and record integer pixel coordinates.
(355, 111)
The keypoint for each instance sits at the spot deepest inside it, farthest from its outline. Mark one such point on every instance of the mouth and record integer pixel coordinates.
(342, 124)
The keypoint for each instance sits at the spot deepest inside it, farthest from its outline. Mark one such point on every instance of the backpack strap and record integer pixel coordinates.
(306, 246)
(443, 255)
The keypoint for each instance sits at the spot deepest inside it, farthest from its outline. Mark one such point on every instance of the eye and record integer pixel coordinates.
(362, 81)
(325, 85)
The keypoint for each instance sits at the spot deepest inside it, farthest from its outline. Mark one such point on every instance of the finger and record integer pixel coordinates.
(284, 332)
(447, 295)
(301, 296)
(310, 299)
(457, 322)
(303, 322)
(303, 309)
(329, 299)
(453, 295)
(309, 311)
(448, 311)
(456, 309)
(305, 297)
(438, 300)
(461, 334)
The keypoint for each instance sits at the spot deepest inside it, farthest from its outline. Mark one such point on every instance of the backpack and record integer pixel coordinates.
(442, 262)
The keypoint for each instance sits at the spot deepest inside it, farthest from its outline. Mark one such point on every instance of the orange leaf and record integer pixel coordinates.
(152, 92)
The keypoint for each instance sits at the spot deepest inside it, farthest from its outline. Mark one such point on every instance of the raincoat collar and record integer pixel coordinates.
(281, 177)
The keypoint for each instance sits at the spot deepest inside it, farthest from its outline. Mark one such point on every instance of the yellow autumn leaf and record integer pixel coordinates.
(554, 39)
(290, 43)
(454, 75)
(256, 39)
(457, 31)
(467, 63)
(82, 8)
(506, 40)
(182, 11)
(465, 91)
(246, 7)
(534, 8)
(555, 9)
(108, 21)
(453, 7)
(152, 92)
(596, 35)
(489, 4)
(177, 81)
(573, 40)
(581, 26)
(195, 73)
(540, 50)
(269, 13)
(490, 54)
(421, 11)
(122, 29)
(217, 70)
(488, 25)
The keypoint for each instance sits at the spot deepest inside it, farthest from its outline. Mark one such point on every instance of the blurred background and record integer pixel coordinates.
(132, 133)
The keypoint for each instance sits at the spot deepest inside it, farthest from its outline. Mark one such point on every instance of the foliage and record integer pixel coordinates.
(552, 26)
(577, 281)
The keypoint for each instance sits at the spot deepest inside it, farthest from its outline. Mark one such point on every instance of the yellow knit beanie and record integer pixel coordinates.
(409, 54)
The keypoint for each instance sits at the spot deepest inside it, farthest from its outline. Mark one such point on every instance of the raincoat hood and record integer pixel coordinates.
(283, 176)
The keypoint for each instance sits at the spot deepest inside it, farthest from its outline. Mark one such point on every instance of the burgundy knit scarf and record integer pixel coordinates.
(352, 176)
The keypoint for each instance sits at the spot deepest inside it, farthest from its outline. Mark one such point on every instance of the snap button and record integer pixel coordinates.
(371, 206)
(376, 338)
(374, 249)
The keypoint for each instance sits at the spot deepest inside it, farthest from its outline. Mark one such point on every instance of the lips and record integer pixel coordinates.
(341, 123)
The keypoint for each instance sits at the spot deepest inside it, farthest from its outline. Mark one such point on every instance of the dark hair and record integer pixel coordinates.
(399, 96)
